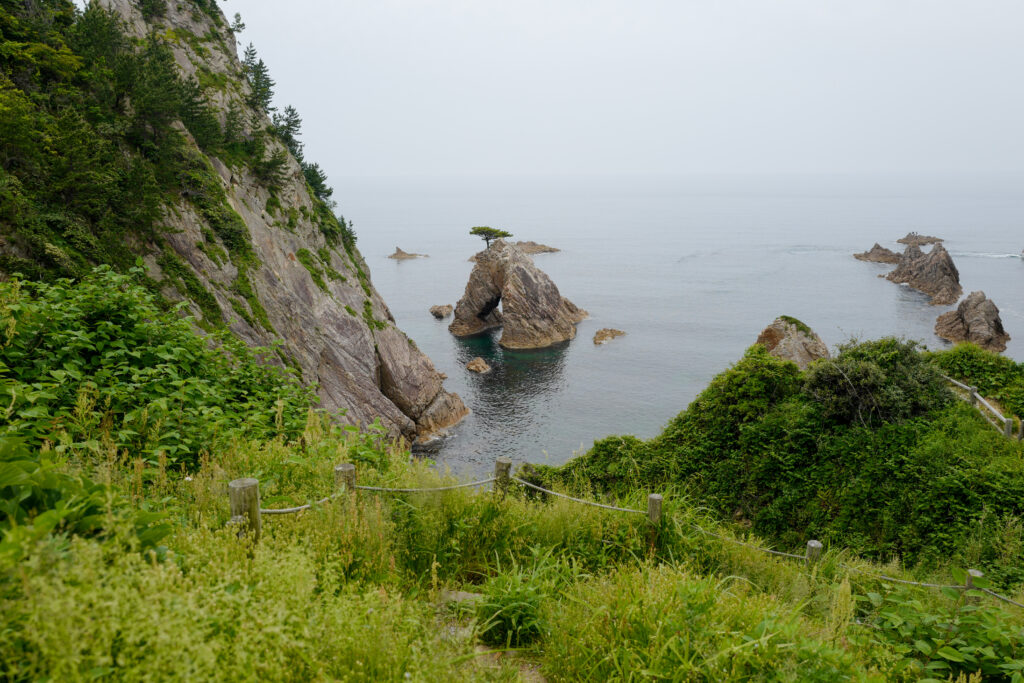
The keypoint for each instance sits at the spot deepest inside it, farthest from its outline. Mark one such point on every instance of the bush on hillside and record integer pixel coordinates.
(868, 451)
(95, 366)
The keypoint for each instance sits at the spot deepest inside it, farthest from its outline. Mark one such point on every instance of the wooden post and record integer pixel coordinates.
(244, 495)
(969, 582)
(974, 396)
(345, 476)
(503, 473)
(1008, 427)
(813, 551)
(654, 508)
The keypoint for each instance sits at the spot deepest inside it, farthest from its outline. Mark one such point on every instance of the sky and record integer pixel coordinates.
(570, 87)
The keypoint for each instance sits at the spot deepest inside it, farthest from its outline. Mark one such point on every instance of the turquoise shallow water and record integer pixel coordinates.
(692, 268)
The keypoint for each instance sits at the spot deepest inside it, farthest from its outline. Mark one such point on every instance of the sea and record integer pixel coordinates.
(692, 268)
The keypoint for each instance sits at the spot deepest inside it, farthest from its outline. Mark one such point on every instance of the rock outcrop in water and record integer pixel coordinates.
(401, 255)
(441, 312)
(918, 240)
(302, 286)
(878, 254)
(606, 334)
(528, 247)
(479, 365)
(789, 339)
(976, 320)
(533, 313)
(933, 273)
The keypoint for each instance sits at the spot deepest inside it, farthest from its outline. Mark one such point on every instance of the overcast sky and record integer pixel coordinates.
(412, 87)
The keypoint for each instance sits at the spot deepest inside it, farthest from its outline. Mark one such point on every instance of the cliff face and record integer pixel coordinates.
(295, 284)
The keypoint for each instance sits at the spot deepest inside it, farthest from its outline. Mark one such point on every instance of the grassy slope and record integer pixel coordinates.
(116, 560)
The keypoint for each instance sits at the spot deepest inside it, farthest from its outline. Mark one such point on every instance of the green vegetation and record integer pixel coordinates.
(996, 376)
(488, 234)
(799, 324)
(867, 451)
(92, 155)
(117, 559)
(368, 318)
(309, 262)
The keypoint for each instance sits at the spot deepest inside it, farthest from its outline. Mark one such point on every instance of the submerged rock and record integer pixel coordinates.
(878, 254)
(400, 255)
(441, 312)
(917, 240)
(533, 313)
(933, 273)
(478, 364)
(528, 247)
(606, 334)
(789, 339)
(976, 320)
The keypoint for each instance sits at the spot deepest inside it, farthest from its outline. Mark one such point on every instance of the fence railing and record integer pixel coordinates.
(993, 416)
(246, 513)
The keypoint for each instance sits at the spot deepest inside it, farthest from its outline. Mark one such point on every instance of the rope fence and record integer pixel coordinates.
(246, 514)
(993, 416)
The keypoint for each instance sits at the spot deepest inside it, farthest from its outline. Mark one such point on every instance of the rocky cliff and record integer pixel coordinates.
(933, 273)
(533, 313)
(976, 320)
(284, 274)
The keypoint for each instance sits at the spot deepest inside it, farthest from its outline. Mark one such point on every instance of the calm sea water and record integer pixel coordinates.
(692, 268)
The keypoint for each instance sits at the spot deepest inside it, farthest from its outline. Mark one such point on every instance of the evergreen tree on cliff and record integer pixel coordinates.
(488, 234)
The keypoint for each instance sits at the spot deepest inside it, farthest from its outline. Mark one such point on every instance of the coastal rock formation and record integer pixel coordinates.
(878, 254)
(976, 320)
(400, 255)
(933, 273)
(606, 334)
(303, 284)
(789, 339)
(441, 312)
(917, 240)
(528, 247)
(533, 313)
(478, 364)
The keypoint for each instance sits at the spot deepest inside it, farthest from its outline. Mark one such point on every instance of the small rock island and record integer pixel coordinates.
(933, 273)
(401, 255)
(533, 313)
(976, 320)
(790, 339)
(878, 254)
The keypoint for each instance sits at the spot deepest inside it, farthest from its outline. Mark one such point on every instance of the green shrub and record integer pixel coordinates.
(876, 381)
(510, 612)
(93, 365)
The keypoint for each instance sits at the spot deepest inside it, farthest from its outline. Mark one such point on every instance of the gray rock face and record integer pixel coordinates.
(878, 254)
(933, 273)
(313, 296)
(789, 339)
(976, 320)
(533, 313)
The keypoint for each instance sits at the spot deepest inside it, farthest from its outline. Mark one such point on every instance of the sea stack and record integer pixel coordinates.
(933, 273)
(441, 312)
(789, 339)
(401, 255)
(878, 254)
(976, 320)
(917, 240)
(528, 247)
(533, 313)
